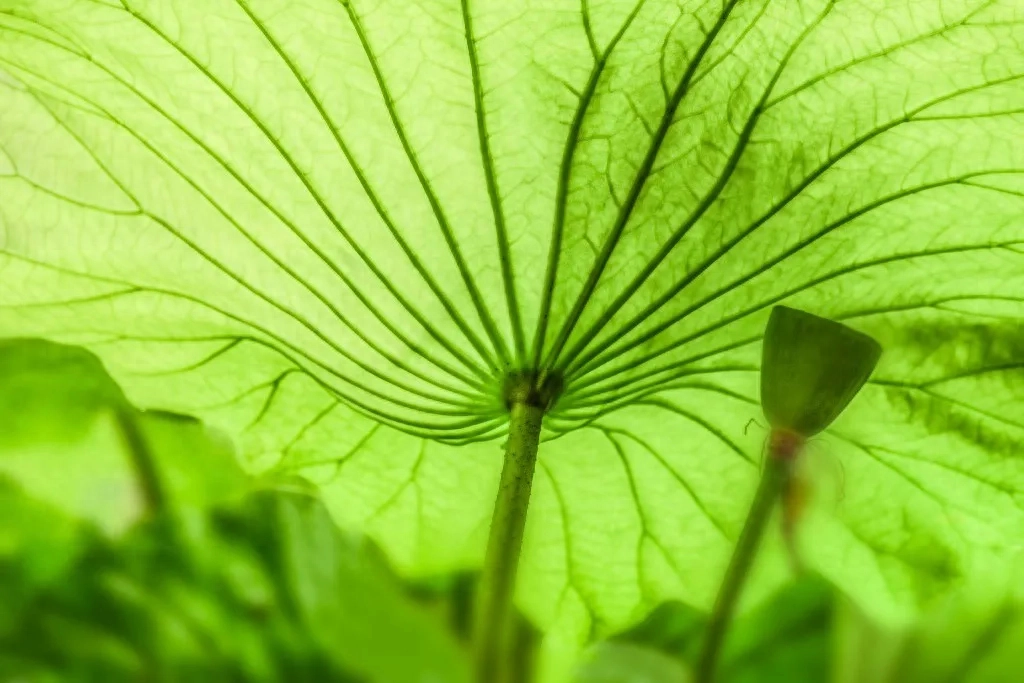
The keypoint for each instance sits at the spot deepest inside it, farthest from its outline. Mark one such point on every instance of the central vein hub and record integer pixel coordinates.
(532, 388)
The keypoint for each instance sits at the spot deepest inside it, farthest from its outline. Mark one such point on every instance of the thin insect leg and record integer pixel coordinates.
(753, 421)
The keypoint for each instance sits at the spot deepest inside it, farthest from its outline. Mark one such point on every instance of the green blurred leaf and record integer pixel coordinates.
(673, 628)
(613, 662)
(353, 608)
(806, 634)
(975, 635)
(263, 590)
(196, 465)
(38, 546)
(76, 443)
(788, 639)
(51, 392)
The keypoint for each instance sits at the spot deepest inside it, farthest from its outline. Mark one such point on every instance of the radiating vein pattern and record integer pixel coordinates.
(593, 189)
(334, 227)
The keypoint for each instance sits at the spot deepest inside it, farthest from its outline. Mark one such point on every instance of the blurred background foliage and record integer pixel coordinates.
(134, 548)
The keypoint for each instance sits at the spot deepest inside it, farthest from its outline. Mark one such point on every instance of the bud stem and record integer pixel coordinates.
(768, 490)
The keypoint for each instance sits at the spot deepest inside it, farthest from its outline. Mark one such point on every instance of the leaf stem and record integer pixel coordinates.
(494, 602)
(141, 456)
(772, 479)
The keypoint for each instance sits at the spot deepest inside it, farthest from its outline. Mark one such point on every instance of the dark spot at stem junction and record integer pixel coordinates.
(532, 388)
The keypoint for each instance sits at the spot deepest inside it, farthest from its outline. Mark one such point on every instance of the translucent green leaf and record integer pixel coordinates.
(332, 229)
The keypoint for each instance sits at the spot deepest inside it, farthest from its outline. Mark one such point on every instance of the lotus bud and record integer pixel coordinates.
(811, 369)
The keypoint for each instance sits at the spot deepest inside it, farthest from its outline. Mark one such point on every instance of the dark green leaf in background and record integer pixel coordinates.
(38, 546)
(808, 634)
(973, 636)
(264, 588)
(51, 392)
(243, 595)
(786, 640)
(72, 439)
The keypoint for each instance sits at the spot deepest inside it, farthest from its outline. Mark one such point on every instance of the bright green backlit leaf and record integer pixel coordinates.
(331, 228)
